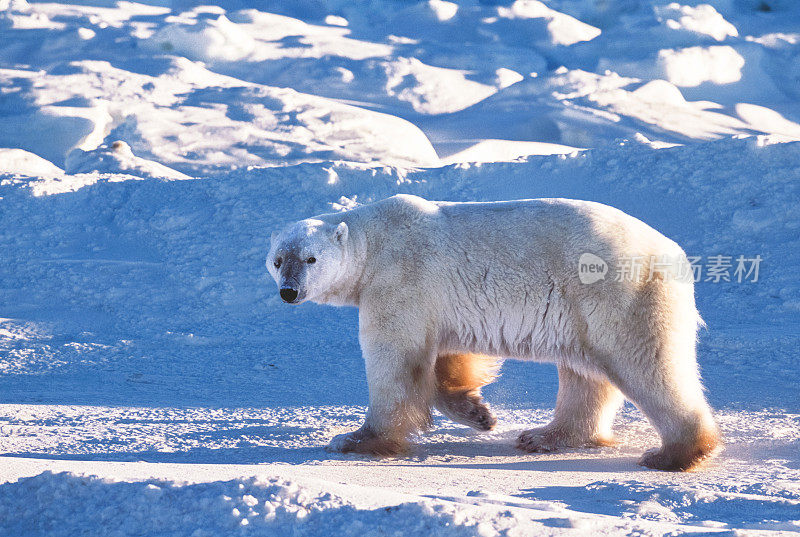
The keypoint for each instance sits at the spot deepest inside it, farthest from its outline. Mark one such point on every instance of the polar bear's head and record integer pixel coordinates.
(306, 259)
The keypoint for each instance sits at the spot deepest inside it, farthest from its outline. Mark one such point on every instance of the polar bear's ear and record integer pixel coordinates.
(340, 233)
(273, 237)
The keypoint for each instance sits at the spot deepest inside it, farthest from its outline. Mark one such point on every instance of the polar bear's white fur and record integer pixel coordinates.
(442, 288)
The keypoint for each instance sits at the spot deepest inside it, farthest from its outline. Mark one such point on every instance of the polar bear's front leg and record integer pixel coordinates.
(399, 365)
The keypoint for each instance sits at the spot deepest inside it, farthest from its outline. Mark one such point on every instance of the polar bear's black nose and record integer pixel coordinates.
(288, 294)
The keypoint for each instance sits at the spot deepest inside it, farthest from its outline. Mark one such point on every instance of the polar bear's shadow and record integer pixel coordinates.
(486, 456)
(501, 453)
(454, 446)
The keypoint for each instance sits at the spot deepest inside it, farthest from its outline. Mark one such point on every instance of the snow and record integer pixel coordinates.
(19, 161)
(117, 158)
(208, 40)
(152, 382)
(433, 90)
(694, 65)
(702, 19)
(560, 29)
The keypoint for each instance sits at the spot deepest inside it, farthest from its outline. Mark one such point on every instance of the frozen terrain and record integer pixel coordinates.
(151, 380)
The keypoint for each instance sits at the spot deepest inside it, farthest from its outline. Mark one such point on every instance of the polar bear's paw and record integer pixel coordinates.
(366, 442)
(659, 459)
(549, 439)
(467, 409)
(681, 457)
(479, 417)
(542, 440)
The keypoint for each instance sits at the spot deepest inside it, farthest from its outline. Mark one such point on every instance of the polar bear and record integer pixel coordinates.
(444, 288)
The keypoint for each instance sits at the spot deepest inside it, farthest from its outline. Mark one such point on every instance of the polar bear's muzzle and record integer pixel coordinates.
(291, 290)
(291, 278)
(290, 295)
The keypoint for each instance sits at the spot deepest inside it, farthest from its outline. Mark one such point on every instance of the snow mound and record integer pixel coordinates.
(194, 120)
(14, 6)
(534, 16)
(702, 19)
(117, 158)
(19, 161)
(694, 65)
(216, 36)
(506, 150)
(207, 40)
(763, 119)
(432, 90)
(615, 105)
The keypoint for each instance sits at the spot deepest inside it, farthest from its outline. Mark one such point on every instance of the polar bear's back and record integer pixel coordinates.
(530, 227)
(512, 232)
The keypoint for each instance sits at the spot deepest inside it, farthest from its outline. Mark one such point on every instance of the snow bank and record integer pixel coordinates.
(65, 504)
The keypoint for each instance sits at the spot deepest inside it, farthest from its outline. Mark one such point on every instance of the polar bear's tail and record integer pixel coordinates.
(459, 379)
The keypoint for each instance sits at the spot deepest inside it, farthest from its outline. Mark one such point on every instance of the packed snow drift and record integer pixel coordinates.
(151, 380)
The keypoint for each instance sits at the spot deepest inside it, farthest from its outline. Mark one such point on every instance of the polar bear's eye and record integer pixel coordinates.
(277, 262)
(311, 260)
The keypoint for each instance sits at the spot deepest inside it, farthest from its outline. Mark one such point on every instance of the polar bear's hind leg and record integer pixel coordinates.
(658, 372)
(585, 410)
(459, 378)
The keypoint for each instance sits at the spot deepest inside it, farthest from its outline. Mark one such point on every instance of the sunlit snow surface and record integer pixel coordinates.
(151, 382)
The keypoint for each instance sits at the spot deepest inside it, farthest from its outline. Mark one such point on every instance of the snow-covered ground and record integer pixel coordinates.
(151, 381)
